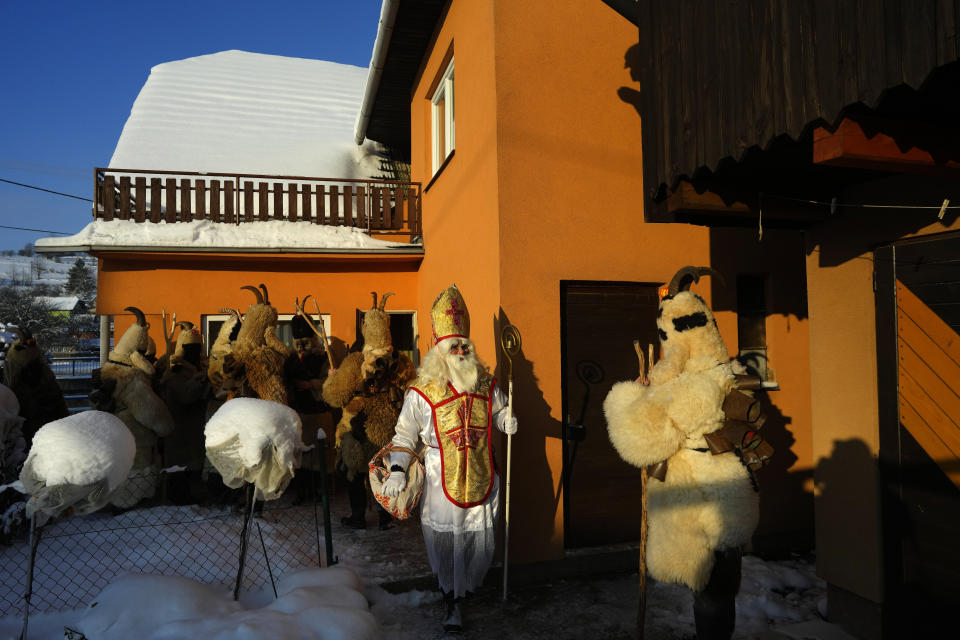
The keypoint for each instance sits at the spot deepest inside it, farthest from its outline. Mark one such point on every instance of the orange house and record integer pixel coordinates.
(515, 121)
(523, 148)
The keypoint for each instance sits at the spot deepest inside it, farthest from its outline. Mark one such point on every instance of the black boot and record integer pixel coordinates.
(453, 617)
(714, 609)
(357, 493)
(385, 519)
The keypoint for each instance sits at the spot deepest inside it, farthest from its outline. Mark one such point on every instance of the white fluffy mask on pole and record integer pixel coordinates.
(461, 362)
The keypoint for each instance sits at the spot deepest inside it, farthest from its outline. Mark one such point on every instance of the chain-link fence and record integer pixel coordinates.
(78, 556)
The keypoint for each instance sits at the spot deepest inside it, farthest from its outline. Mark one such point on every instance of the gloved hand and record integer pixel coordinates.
(394, 483)
(510, 425)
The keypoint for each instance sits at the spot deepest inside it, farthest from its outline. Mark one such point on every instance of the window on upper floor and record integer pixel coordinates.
(443, 127)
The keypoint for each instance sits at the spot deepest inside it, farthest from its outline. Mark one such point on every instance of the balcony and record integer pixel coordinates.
(382, 208)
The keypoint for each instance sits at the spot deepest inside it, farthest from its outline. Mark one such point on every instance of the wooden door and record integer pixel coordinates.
(599, 323)
(918, 290)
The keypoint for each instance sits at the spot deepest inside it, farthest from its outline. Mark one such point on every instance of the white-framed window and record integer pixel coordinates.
(443, 124)
(213, 322)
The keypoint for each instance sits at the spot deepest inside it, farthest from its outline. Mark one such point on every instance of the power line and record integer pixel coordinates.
(62, 233)
(30, 186)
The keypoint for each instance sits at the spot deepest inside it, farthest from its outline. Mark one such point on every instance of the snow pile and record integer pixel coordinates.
(327, 604)
(256, 441)
(270, 234)
(76, 462)
(242, 112)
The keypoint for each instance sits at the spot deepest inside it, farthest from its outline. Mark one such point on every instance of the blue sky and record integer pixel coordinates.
(70, 71)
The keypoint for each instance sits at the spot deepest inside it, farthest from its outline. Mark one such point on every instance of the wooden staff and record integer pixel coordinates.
(642, 601)
(171, 344)
(510, 341)
(323, 334)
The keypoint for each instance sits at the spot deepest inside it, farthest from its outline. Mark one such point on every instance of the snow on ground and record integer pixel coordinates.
(315, 603)
(272, 234)
(396, 579)
(37, 270)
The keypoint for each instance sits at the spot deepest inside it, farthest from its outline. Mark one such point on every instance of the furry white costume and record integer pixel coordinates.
(706, 502)
(126, 376)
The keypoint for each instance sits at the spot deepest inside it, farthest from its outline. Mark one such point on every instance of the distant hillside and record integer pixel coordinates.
(37, 269)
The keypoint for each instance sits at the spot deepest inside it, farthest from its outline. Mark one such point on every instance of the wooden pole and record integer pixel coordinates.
(34, 541)
(323, 334)
(642, 569)
(243, 539)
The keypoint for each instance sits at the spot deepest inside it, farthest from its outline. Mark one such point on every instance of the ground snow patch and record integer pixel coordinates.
(312, 604)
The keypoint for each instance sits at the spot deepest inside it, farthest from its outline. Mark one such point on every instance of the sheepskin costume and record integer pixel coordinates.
(707, 502)
(127, 375)
(185, 389)
(222, 347)
(369, 387)
(306, 371)
(28, 375)
(372, 381)
(259, 351)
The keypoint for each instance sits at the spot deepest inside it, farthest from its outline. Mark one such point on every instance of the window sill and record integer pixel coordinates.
(439, 171)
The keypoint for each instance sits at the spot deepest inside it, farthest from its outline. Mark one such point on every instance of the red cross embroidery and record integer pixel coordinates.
(465, 436)
(455, 311)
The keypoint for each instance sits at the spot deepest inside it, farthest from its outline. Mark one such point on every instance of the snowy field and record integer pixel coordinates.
(395, 578)
(39, 270)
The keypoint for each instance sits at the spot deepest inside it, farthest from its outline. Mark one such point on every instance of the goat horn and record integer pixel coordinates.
(19, 332)
(266, 296)
(383, 300)
(686, 276)
(374, 299)
(256, 292)
(230, 311)
(141, 319)
(303, 305)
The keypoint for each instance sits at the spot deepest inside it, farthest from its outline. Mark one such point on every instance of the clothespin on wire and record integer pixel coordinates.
(760, 219)
(943, 208)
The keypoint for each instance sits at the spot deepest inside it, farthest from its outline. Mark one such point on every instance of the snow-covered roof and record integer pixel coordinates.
(243, 112)
(59, 303)
(204, 235)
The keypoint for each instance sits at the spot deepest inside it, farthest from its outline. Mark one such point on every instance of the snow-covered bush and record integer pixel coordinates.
(75, 463)
(255, 441)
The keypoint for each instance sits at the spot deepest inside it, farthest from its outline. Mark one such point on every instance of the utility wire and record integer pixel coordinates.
(30, 186)
(62, 233)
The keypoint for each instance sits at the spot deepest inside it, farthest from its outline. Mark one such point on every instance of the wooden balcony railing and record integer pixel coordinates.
(381, 207)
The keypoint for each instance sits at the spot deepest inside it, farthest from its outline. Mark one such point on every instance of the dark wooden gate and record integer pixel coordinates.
(918, 321)
(599, 323)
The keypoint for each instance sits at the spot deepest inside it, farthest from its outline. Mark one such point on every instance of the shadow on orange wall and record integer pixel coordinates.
(532, 528)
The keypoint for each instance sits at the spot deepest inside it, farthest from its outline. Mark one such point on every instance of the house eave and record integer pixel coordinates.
(99, 248)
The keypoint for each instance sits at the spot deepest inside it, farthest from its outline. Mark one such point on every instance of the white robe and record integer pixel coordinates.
(460, 542)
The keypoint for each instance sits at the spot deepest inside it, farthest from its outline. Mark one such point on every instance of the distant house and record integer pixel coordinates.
(63, 306)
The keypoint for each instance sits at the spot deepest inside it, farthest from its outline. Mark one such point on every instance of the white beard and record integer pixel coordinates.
(463, 371)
